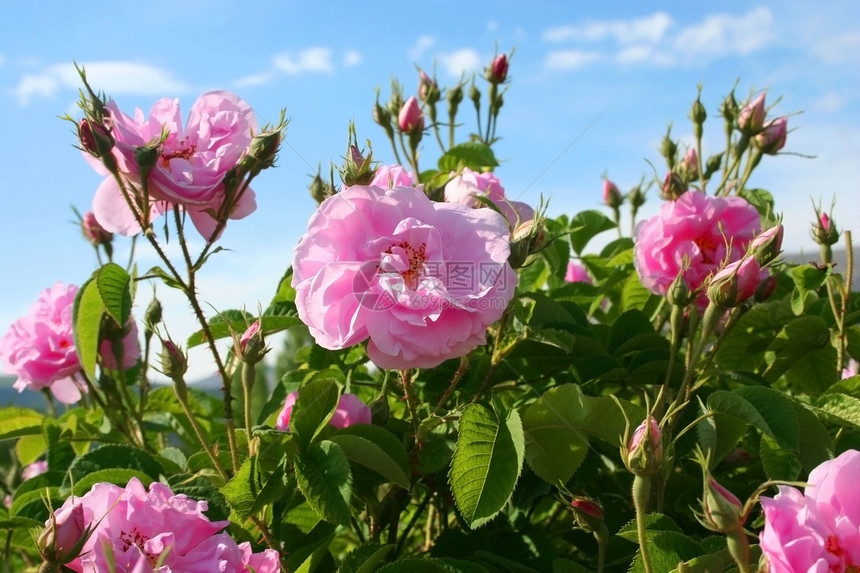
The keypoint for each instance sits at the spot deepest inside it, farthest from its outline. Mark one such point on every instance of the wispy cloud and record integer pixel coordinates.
(841, 48)
(111, 77)
(648, 40)
(352, 58)
(422, 44)
(310, 60)
(650, 29)
(459, 62)
(255, 80)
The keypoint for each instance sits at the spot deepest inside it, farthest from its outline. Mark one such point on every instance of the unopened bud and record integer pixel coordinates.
(767, 245)
(94, 232)
(587, 513)
(475, 96)
(689, 166)
(526, 240)
(612, 197)
(713, 165)
(637, 197)
(64, 535)
(95, 138)
(251, 346)
(673, 186)
(722, 511)
(698, 114)
(410, 119)
(174, 364)
(428, 90)
(678, 293)
(147, 156)
(644, 453)
(751, 117)
(824, 232)
(319, 190)
(669, 149)
(734, 283)
(772, 137)
(765, 288)
(497, 72)
(153, 314)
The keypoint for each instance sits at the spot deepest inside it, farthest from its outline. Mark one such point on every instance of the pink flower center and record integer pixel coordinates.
(412, 261)
(182, 153)
(136, 538)
(832, 547)
(708, 247)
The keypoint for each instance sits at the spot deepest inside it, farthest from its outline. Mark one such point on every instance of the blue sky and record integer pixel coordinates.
(626, 69)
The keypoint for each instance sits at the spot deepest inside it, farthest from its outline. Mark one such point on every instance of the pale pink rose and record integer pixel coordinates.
(130, 349)
(818, 530)
(576, 273)
(410, 119)
(249, 333)
(655, 437)
(467, 187)
(190, 165)
(421, 280)
(62, 533)
(40, 348)
(35, 469)
(388, 176)
(350, 410)
(139, 526)
(692, 234)
(852, 369)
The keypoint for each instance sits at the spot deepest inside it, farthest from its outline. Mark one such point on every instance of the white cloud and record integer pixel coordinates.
(492, 26)
(841, 48)
(643, 53)
(649, 29)
(724, 34)
(570, 59)
(422, 44)
(313, 60)
(352, 58)
(255, 80)
(830, 103)
(463, 61)
(110, 77)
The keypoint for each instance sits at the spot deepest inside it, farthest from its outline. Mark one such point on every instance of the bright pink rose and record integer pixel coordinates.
(40, 348)
(130, 349)
(421, 280)
(467, 187)
(141, 526)
(190, 165)
(576, 273)
(350, 410)
(388, 176)
(687, 236)
(818, 531)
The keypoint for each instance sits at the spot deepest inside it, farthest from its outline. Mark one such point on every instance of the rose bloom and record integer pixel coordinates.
(40, 349)
(419, 280)
(576, 273)
(129, 352)
(388, 176)
(687, 236)
(467, 187)
(350, 410)
(191, 163)
(818, 530)
(35, 469)
(141, 527)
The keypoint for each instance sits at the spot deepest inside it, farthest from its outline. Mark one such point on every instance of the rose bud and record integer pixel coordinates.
(767, 245)
(751, 117)
(644, 453)
(611, 195)
(410, 119)
(735, 283)
(498, 71)
(772, 138)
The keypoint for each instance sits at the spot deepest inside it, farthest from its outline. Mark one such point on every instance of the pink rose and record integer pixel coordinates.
(190, 165)
(93, 231)
(421, 280)
(687, 237)
(62, 534)
(736, 282)
(388, 176)
(34, 469)
(818, 530)
(140, 526)
(467, 187)
(130, 349)
(576, 273)
(350, 410)
(40, 347)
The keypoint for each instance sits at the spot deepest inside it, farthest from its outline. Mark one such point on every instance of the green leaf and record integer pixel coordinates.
(223, 325)
(666, 550)
(323, 476)
(243, 488)
(555, 447)
(776, 410)
(419, 565)
(802, 340)
(313, 409)
(629, 325)
(87, 319)
(117, 476)
(585, 226)
(634, 295)
(377, 449)
(365, 558)
(15, 421)
(486, 464)
(474, 155)
(112, 456)
(842, 401)
(114, 286)
(778, 463)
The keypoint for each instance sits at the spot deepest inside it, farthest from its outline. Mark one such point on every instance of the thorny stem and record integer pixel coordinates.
(498, 354)
(458, 375)
(195, 425)
(249, 373)
(409, 396)
(641, 492)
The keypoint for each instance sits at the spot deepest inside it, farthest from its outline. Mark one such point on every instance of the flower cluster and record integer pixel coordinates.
(421, 280)
(132, 529)
(819, 529)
